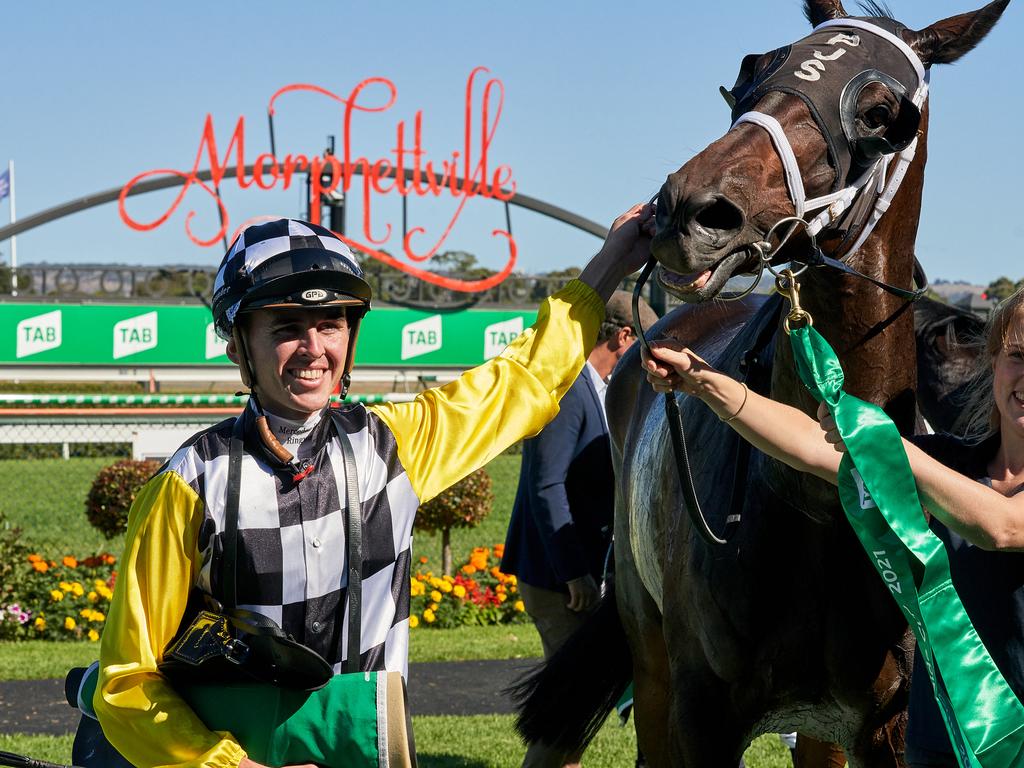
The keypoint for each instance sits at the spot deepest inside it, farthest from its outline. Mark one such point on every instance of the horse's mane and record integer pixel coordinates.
(876, 8)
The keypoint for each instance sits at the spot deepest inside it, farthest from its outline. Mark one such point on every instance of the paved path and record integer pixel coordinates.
(440, 688)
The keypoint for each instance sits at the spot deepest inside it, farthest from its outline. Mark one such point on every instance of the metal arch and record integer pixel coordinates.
(110, 195)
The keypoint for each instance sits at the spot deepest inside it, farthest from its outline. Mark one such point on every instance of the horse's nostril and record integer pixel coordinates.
(720, 215)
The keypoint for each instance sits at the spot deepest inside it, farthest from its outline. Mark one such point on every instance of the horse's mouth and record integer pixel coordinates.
(706, 284)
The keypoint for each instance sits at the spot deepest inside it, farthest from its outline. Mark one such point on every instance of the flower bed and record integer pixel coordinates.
(479, 594)
(59, 600)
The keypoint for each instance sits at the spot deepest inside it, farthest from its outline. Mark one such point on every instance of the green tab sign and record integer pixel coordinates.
(88, 334)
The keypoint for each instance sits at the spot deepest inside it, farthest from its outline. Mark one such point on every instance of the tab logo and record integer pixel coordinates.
(215, 345)
(39, 334)
(500, 335)
(134, 335)
(421, 337)
(866, 502)
(314, 294)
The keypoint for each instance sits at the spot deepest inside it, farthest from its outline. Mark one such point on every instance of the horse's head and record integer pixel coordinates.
(821, 128)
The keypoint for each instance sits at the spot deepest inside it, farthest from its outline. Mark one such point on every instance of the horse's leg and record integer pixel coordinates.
(704, 730)
(642, 623)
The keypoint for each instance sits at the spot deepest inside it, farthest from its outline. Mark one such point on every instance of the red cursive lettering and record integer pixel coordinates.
(407, 170)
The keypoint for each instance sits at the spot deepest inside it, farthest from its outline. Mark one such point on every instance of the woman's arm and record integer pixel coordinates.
(779, 430)
(978, 513)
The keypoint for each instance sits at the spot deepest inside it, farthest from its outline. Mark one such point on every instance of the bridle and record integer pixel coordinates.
(854, 208)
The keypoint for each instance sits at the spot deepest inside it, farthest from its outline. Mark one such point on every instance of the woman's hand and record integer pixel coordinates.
(828, 426)
(674, 367)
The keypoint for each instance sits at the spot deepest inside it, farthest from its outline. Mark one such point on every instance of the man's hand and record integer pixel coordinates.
(247, 763)
(625, 250)
(584, 594)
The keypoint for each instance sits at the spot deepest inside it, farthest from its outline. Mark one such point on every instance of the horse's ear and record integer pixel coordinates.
(946, 41)
(819, 11)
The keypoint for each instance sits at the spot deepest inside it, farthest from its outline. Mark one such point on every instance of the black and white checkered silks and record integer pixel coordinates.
(291, 561)
(254, 246)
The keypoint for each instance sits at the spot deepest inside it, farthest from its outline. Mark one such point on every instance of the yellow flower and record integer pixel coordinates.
(435, 596)
(93, 635)
(99, 583)
(446, 587)
(56, 595)
(65, 585)
(459, 591)
(432, 607)
(519, 605)
(414, 621)
(501, 589)
(77, 589)
(93, 597)
(502, 597)
(449, 579)
(428, 616)
(85, 613)
(105, 592)
(69, 623)
(436, 582)
(40, 624)
(512, 579)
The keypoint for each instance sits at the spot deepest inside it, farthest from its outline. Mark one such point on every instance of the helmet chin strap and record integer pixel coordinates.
(267, 436)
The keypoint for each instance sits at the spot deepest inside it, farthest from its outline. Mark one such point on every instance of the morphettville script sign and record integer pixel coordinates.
(461, 174)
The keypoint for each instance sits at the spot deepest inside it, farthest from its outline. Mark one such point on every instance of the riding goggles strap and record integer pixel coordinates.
(983, 717)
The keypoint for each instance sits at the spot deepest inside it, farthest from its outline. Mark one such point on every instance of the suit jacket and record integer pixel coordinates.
(562, 516)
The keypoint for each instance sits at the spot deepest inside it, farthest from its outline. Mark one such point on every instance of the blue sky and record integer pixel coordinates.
(602, 100)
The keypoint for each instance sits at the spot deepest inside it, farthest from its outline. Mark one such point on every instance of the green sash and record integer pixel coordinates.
(983, 717)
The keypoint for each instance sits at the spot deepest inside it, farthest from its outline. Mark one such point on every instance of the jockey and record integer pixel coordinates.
(289, 299)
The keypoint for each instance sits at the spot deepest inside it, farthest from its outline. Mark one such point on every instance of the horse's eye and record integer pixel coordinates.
(878, 117)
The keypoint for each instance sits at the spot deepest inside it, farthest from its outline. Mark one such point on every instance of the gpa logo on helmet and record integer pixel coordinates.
(314, 294)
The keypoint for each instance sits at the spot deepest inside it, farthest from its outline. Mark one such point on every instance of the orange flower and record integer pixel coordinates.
(423, 560)
(496, 573)
(41, 566)
(469, 570)
(109, 559)
(34, 558)
(69, 561)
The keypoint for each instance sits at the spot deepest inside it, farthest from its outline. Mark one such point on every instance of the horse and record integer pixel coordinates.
(786, 626)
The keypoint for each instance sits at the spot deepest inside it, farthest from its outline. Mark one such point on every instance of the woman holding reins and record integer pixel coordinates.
(971, 485)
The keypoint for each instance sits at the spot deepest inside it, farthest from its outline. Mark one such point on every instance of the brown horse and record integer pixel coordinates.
(787, 626)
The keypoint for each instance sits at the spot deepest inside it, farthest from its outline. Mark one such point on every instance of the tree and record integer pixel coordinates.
(1000, 289)
(463, 505)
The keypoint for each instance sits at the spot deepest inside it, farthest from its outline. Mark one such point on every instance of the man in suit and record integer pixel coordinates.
(560, 530)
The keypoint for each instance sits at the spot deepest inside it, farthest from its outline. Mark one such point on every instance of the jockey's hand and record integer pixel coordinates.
(828, 426)
(674, 367)
(625, 250)
(584, 594)
(247, 763)
(629, 239)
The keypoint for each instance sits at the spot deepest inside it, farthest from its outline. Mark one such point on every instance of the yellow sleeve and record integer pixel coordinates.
(141, 714)
(448, 432)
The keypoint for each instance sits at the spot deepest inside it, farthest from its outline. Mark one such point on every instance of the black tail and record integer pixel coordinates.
(565, 701)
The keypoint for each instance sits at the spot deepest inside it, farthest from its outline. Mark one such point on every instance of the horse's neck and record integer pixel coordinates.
(871, 330)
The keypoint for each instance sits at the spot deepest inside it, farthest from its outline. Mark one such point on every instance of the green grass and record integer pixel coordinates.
(43, 659)
(479, 741)
(46, 499)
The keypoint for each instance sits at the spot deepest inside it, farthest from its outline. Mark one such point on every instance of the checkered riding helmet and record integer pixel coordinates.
(287, 263)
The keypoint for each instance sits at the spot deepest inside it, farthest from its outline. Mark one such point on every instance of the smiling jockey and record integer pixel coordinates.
(289, 299)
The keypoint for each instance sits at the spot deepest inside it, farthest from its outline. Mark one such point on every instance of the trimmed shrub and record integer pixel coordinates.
(113, 492)
(463, 505)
